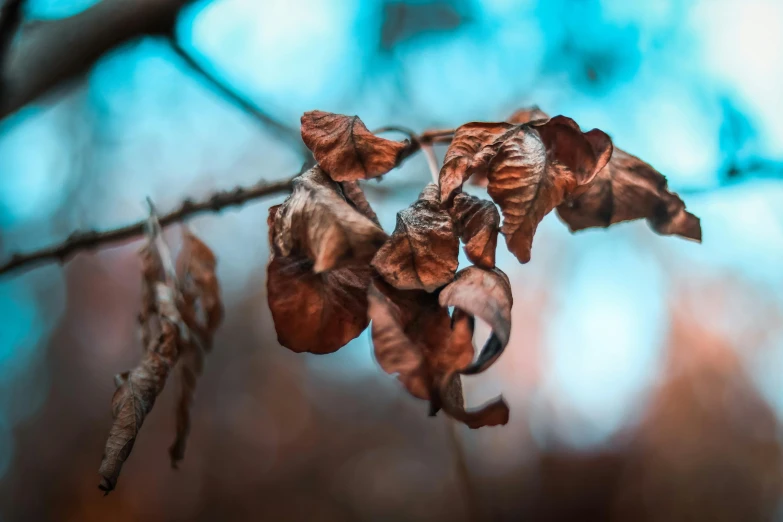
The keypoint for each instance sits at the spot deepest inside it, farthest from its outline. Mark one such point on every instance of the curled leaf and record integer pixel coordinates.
(531, 170)
(316, 222)
(414, 339)
(346, 150)
(163, 331)
(202, 311)
(485, 294)
(468, 140)
(422, 252)
(317, 312)
(628, 189)
(477, 223)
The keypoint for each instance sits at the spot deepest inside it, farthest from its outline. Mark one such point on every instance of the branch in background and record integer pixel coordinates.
(284, 131)
(88, 240)
(51, 53)
(10, 19)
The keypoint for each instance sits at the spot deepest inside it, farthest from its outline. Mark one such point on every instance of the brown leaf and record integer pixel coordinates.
(527, 114)
(133, 400)
(626, 189)
(468, 140)
(355, 195)
(413, 338)
(316, 222)
(346, 150)
(485, 294)
(422, 252)
(202, 310)
(189, 369)
(477, 223)
(533, 167)
(315, 312)
(163, 331)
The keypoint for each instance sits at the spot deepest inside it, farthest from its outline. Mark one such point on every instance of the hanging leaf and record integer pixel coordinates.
(317, 277)
(468, 140)
(422, 252)
(627, 189)
(346, 150)
(485, 294)
(316, 222)
(477, 223)
(202, 310)
(413, 338)
(163, 331)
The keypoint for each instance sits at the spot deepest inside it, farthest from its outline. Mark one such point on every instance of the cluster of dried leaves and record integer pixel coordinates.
(181, 309)
(333, 269)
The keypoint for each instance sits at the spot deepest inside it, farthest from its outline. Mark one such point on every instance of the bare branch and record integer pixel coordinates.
(91, 239)
(50, 53)
(284, 131)
(10, 19)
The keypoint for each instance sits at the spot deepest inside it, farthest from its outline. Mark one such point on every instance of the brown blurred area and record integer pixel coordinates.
(275, 439)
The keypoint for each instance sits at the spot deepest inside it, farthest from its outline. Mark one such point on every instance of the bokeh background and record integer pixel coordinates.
(644, 375)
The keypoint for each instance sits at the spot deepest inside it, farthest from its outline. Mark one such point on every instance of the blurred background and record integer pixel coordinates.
(644, 374)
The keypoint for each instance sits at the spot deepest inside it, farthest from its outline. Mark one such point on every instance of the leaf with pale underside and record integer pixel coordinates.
(346, 150)
(314, 311)
(422, 252)
(484, 294)
(477, 223)
(317, 222)
(626, 189)
(415, 339)
(163, 331)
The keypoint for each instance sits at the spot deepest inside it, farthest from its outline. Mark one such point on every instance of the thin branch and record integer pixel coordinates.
(91, 239)
(51, 53)
(10, 20)
(290, 134)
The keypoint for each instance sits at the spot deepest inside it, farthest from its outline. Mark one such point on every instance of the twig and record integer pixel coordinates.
(88, 240)
(432, 162)
(290, 134)
(10, 20)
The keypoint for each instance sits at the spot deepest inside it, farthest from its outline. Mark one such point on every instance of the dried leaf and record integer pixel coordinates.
(316, 312)
(189, 369)
(626, 189)
(422, 252)
(202, 310)
(468, 140)
(413, 338)
(163, 331)
(346, 150)
(527, 114)
(485, 294)
(355, 195)
(477, 223)
(133, 400)
(316, 222)
(532, 168)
